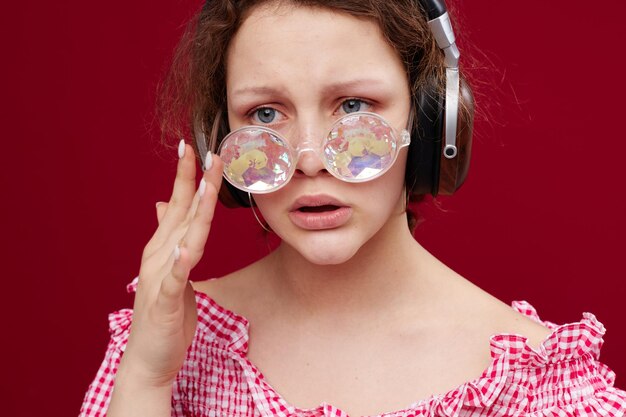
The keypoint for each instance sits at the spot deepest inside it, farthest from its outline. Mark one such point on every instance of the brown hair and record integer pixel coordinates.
(193, 94)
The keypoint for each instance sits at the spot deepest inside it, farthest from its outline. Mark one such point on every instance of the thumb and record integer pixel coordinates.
(161, 208)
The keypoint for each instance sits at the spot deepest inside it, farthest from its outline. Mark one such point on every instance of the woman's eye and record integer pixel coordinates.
(353, 105)
(265, 114)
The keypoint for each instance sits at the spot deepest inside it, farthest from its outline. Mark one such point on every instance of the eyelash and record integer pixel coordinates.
(251, 114)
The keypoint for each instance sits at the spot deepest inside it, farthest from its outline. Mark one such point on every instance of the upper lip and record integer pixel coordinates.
(316, 201)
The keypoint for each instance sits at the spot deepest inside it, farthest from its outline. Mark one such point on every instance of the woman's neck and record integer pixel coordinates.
(389, 270)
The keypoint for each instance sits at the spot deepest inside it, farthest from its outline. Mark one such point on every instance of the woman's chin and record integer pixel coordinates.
(325, 253)
(327, 259)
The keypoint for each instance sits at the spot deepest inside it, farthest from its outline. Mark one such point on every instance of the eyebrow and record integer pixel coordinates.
(258, 90)
(357, 83)
(329, 88)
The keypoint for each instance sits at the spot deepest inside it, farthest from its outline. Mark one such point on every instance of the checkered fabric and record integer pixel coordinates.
(562, 378)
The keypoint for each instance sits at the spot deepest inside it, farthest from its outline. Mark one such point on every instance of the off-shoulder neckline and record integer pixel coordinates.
(508, 351)
(549, 346)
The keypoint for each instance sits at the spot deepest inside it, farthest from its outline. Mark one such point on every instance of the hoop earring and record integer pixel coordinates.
(255, 215)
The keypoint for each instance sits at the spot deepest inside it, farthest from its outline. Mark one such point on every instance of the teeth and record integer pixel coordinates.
(318, 209)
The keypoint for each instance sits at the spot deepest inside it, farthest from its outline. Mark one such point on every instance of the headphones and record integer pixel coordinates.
(441, 140)
(439, 154)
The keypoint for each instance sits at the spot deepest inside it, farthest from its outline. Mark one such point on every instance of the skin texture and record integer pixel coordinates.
(359, 316)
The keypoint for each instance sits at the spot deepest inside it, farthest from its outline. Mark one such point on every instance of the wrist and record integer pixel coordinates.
(134, 396)
(130, 373)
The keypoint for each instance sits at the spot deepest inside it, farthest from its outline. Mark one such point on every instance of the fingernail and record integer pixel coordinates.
(158, 203)
(202, 187)
(208, 161)
(176, 253)
(181, 149)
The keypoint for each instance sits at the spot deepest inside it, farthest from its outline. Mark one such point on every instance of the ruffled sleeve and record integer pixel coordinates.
(562, 377)
(220, 343)
(96, 401)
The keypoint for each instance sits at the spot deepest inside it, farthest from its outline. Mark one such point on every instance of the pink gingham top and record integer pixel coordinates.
(562, 378)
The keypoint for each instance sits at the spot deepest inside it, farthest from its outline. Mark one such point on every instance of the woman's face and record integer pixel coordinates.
(297, 70)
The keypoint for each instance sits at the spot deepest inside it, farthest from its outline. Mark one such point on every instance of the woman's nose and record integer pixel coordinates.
(309, 163)
(309, 159)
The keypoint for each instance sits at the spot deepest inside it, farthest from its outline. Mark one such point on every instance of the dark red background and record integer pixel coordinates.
(540, 218)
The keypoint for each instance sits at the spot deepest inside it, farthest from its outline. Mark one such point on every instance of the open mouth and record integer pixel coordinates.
(319, 212)
(318, 209)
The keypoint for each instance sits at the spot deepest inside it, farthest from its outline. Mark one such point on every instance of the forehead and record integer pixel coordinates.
(305, 46)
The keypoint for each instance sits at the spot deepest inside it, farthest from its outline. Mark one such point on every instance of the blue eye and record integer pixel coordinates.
(352, 105)
(266, 114)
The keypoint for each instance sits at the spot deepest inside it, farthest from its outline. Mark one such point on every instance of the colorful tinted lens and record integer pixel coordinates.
(360, 147)
(256, 160)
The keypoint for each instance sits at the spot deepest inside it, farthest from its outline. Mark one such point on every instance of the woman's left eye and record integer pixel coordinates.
(265, 114)
(354, 105)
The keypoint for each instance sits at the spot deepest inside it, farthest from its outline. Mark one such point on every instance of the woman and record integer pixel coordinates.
(349, 315)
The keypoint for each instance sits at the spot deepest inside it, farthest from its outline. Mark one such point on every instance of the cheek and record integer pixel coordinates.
(387, 194)
(392, 182)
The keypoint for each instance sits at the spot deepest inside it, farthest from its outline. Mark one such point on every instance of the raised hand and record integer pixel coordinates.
(165, 312)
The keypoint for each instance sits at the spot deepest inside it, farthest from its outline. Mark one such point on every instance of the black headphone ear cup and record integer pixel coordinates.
(422, 170)
(428, 170)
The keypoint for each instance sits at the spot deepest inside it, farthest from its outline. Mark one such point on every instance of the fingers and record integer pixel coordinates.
(165, 308)
(173, 286)
(188, 254)
(196, 236)
(182, 194)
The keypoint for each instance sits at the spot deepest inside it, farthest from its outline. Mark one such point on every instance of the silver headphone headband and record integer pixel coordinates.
(444, 36)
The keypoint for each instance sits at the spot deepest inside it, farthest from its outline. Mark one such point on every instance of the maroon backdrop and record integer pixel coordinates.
(540, 218)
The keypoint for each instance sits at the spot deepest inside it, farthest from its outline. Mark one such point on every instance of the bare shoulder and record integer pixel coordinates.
(235, 291)
(495, 317)
(220, 286)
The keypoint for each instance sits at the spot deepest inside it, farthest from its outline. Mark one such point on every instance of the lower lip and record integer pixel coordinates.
(322, 220)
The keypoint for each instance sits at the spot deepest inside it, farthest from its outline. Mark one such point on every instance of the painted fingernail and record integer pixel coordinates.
(208, 161)
(181, 149)
(176, 253)
(202, 187)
